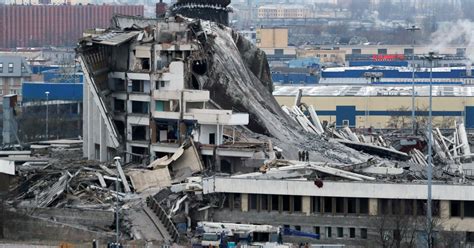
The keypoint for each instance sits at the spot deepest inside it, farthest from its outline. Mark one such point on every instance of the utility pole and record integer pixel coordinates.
(430, 57)
(413, 118)
(47, 110)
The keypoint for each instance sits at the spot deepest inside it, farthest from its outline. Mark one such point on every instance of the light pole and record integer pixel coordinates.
(117, 237)
(430, 57)
(413, 118)
(47, 108)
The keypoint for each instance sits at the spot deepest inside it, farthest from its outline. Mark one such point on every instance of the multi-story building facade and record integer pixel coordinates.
(274, 42)
(350, 213)
(14, 70)
(152, 103)
(287, 11)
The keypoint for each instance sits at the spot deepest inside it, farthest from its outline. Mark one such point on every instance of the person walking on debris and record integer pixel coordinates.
(307, 156)
(300, 155)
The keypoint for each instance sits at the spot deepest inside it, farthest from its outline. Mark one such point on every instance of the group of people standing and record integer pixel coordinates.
(303, 156)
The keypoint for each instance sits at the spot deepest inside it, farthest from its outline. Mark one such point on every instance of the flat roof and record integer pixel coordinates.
(397, 68)
(371, 90)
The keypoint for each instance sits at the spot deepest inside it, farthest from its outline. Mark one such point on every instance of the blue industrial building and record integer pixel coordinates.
(284, 75)
(35, 91)
(395, 75)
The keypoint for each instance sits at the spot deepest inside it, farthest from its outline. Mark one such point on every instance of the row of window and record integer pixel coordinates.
(10, 67)
(406, 51)
(336, 232)
(17, 92)
(346, 205)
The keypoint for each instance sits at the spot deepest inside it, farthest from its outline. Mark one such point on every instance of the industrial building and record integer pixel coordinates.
(343, 212)
(274, 42)
(55, 25)
(360, 106)
(396, 75)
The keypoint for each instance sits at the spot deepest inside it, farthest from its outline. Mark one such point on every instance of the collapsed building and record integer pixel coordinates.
(187, 104)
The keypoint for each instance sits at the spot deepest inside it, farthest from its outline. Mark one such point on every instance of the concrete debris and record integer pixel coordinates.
(298, 169)
(145, 179)
(171, 154)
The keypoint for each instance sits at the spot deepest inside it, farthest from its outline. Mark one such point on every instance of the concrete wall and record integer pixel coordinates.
(272, 38)
(337, 189)
(23, 227)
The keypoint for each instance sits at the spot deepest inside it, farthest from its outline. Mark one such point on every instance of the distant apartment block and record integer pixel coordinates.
(283, 11)
(13, 71)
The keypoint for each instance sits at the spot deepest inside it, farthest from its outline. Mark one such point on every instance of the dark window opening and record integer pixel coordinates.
(328, 232)
(97, 151)
(226, 167)
(455, 208)
(264, 202)
(138, 86)
(384, 206)
(286, 203)
(194, 82)
(278, 51)
(470, 237)
(409, 207)
(212, 138)
(275, 203)
(226, 203)
(119, 84)
(363, 233)
(297, 203)
(298, 228)
(138, 153)
(119, 105)
(327, 205)
(252, 202)
(10, 67)
(236, 201)
(351, 205)
(469, 209)
(364, 205)
(316, 230)
(139, 107)
(139, 133)
(396, 208)
(339, 205)
(120, 127)
(420, 207)
(145, 62)
(382, 51)
(340, 232)
(352, 232)
(315, 204)
(435, 208)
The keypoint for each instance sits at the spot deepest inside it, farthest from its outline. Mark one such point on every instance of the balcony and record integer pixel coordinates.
(215, 116)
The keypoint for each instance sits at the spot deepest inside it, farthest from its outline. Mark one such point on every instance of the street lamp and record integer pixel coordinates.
(413, 119)
(47, 108)
(430, 57)
(117, 208)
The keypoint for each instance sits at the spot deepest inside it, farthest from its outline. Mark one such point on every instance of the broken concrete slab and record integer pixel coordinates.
(145, 179)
